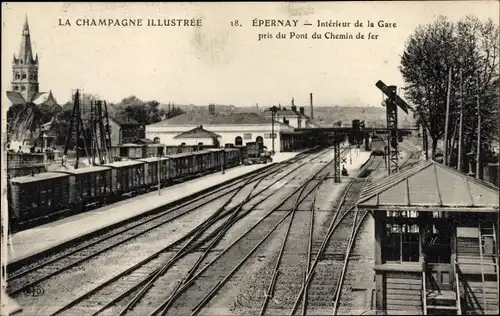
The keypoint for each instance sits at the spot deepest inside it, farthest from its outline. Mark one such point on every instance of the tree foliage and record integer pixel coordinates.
(24, 120)
(469, 47)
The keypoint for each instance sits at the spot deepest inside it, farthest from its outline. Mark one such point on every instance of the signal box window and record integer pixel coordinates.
(402, 237)
(439, 240)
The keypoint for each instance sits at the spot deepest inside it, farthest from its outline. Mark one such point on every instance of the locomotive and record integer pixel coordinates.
(55, 194)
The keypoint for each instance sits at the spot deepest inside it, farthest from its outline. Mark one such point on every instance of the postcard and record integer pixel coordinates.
(253, 158)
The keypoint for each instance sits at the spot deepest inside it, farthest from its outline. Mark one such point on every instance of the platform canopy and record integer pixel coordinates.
(430, 186)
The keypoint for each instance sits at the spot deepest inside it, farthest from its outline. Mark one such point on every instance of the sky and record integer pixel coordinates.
(219, 63)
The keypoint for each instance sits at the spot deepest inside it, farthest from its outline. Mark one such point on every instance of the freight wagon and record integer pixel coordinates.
(50, 195)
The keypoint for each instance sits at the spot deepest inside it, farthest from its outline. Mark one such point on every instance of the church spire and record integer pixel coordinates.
(25, 53)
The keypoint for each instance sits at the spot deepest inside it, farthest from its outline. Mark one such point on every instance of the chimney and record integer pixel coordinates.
(311, 102)
(211, 109)
(301, 109)
(294, 108)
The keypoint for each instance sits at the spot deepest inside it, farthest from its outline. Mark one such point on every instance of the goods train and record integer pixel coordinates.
(54, 194)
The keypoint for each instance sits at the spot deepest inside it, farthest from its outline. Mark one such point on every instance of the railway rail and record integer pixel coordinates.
(322, 285)
(46, 268)
(200, 288)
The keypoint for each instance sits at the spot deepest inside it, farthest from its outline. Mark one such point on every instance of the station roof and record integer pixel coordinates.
(216, 119)
(430, 186)
(348, 129)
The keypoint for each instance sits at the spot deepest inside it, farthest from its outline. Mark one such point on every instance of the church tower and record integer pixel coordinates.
(25, 67)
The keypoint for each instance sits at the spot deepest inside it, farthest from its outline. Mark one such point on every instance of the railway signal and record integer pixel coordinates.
(75, 128)
(392, 103)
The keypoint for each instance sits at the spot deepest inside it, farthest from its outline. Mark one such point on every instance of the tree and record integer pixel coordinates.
(431, 52)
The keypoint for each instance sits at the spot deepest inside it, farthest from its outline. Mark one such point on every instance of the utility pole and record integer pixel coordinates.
(459, 162)
(93, 135)
(425, 143)
(107, 135)
(478, 153)
(273, 113)
(447, 118)
(159, 178)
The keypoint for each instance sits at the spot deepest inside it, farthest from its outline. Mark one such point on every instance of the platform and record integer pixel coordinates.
(30, 242)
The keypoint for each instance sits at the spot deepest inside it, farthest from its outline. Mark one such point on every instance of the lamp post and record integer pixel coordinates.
(159, 178)
(273, 110)
(44, 136)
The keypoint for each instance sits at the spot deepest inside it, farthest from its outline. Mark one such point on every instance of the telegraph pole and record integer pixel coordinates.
(445, 160)
(478, 131)
(273, 113)
(93, 135)
(77, 119)
(459, 162)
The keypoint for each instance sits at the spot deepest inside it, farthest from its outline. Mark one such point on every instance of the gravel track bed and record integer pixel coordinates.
(217, 271)
(356, 294)
(62, 288)
(293, 266)
(82, 254)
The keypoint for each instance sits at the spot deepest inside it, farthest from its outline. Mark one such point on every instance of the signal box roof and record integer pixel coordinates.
(430, 186)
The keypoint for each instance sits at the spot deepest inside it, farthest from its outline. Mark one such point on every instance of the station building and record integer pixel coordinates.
(436, 242)
(230, 128)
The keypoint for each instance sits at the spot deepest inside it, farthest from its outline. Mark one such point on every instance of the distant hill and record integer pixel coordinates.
(373, 116)
(323, 115)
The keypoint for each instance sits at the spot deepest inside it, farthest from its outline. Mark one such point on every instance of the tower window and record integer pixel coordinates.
(23, 88)
(16, 88)
(18, 76)
(24, 76)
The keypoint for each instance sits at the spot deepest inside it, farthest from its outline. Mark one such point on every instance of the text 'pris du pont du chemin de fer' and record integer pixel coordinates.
(320, 29)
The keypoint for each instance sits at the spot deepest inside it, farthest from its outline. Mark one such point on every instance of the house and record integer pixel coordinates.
(125, 130)
(290, 116)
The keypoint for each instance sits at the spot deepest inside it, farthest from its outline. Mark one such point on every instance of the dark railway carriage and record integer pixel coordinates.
(232, 157)
(38, 196)
(127, 176)
(218, 158)
(88, 185)
(151, 170)
(181, 165)
(202, 161)
(243, 152)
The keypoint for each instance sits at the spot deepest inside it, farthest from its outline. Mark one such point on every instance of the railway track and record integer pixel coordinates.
(115, 236)
(196, 292)
(319, 294)
(36, 273)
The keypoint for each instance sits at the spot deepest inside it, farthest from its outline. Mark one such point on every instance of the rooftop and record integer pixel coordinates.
(197, 132)
(431, 185)
(216, 119)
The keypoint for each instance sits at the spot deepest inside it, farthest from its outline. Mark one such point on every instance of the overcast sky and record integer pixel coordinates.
(218, 63)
